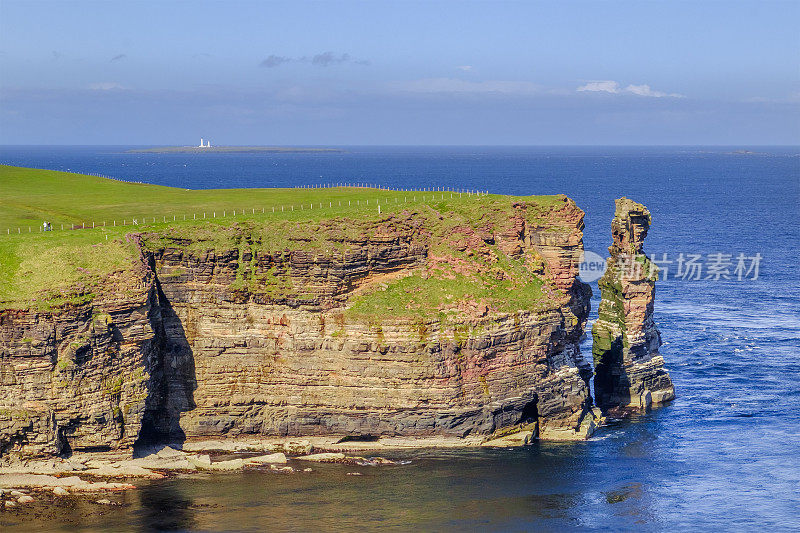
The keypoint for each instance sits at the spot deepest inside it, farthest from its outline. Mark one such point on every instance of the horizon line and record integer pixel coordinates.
(421, 145)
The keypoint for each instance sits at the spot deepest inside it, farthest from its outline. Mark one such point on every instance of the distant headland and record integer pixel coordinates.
(226, 149)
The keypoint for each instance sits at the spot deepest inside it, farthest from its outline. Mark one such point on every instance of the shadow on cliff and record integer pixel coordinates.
(173, 378)
(611, 381)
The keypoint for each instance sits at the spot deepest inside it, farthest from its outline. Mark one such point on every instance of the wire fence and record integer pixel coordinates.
(402, 196)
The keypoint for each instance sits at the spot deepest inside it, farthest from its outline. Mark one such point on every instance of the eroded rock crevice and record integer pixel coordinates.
(172, 383)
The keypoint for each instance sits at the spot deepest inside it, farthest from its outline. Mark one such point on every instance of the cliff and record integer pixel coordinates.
(78, 376)
(434, 320)
(629, 369)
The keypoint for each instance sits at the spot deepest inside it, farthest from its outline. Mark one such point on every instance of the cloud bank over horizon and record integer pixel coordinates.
(324, 59)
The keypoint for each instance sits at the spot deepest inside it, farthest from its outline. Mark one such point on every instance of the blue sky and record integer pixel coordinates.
(436, 72)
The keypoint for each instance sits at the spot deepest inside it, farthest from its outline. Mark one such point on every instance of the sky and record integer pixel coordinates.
(400, 73)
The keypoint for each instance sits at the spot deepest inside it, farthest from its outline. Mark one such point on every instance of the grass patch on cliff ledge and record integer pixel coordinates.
(430, 296)
(43, 273)
(43, 269)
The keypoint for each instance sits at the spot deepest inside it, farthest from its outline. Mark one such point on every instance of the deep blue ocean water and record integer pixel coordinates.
(724, 455)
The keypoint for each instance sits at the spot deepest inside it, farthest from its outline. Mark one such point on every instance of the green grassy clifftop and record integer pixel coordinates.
(471, 241)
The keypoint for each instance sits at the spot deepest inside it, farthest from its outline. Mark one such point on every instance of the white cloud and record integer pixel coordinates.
(453, 85)
(612, 87)
(465, 68)
(645, 90)
(600, 86)
(105, 86)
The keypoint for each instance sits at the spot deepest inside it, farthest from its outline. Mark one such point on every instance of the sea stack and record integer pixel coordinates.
(629, 370)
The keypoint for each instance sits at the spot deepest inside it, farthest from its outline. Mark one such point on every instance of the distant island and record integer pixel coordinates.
(226, 149)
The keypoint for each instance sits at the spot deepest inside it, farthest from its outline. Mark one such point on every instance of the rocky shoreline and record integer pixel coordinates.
(151, 462)
(95, 477)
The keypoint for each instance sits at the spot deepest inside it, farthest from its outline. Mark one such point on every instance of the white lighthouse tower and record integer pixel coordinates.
(204, 144)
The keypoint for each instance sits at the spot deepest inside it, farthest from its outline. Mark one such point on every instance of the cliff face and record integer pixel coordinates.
(78, 377)
(417, 323)
(279, 352)
(629, 371)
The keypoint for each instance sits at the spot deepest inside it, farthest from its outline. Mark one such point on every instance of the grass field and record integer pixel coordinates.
(45, 267)
(29, 197)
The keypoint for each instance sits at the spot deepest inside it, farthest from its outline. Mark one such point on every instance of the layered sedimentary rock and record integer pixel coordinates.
(279, 353)
(629, 371)
(421, 322)
(78, 377)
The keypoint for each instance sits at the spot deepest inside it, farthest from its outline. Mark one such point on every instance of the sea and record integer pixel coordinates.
(723, 456)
